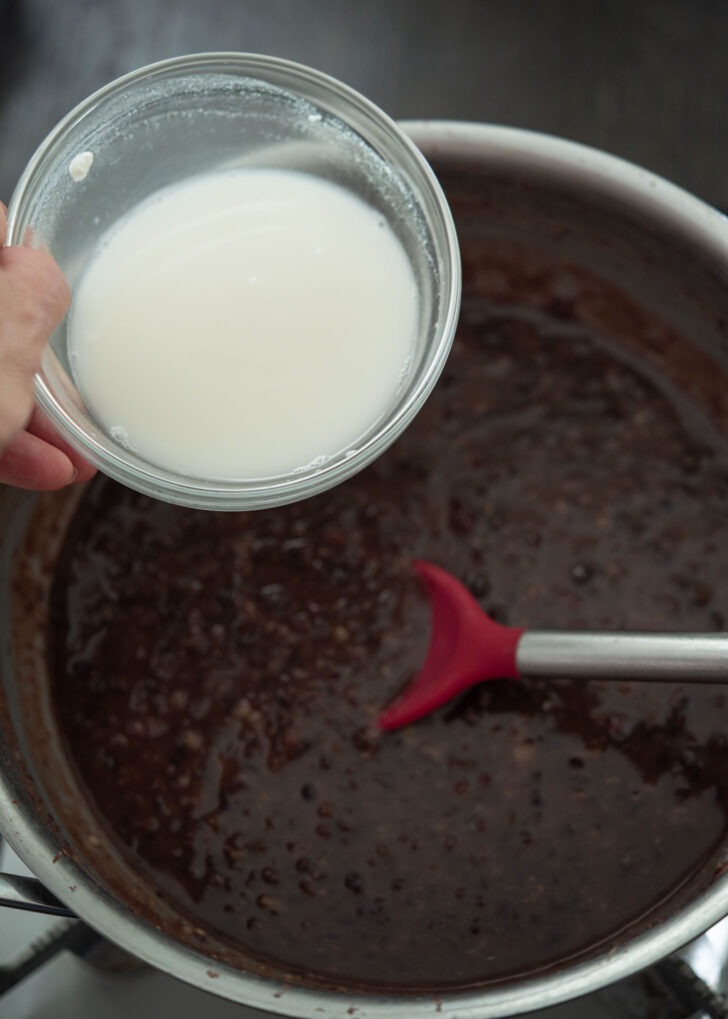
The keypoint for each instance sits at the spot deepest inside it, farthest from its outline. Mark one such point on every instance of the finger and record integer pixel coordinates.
(33, 299)
(41, 427)
(16, 400)
(29, 462)
(3, 223)
(33, 292)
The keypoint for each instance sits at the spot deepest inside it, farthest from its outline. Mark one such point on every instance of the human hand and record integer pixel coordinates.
(33, 300)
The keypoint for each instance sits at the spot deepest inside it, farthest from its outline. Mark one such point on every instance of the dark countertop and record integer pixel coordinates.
(645, 79)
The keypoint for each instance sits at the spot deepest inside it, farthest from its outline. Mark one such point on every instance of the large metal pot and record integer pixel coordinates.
(652, 240)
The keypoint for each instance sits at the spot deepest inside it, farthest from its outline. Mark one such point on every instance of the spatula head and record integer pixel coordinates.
(466, 647)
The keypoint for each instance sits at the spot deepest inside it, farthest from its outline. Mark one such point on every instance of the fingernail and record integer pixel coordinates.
(74, 475)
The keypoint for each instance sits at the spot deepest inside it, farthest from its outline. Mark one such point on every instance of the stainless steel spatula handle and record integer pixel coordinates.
(688, 657)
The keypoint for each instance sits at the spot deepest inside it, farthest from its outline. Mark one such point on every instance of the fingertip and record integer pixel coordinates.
(56, 278)
(40, 426)
(53, 280)
(30, 463)
(39, 285)
(83, 471)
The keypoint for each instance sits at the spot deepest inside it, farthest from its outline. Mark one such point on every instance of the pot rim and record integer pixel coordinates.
(574, 162)
(671, 206)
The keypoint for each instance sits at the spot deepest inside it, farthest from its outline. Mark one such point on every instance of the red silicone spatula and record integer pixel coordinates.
(468, 647)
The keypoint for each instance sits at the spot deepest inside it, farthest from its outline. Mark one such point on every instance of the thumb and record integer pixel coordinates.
(33, 299)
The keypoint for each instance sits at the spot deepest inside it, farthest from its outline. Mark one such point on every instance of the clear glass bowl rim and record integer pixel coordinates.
(107, 456)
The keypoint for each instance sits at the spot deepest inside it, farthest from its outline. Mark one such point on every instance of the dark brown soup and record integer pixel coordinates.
(218, 677)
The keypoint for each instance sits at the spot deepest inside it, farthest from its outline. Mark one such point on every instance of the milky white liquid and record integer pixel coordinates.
(244, 324)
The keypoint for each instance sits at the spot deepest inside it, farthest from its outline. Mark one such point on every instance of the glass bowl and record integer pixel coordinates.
(216, 111)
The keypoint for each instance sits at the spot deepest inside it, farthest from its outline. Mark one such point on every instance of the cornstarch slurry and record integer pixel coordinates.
(244, 324)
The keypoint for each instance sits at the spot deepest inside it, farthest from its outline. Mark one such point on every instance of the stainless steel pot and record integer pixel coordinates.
(652, 240)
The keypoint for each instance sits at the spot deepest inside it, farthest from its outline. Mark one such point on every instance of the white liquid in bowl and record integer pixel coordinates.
(244, 324)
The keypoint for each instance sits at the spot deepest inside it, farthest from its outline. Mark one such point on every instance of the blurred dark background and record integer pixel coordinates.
(646, 79)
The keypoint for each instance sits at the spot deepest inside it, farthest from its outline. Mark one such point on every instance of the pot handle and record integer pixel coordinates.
(28, 893)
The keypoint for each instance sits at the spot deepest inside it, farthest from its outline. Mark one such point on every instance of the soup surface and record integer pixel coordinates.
(218, 677)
